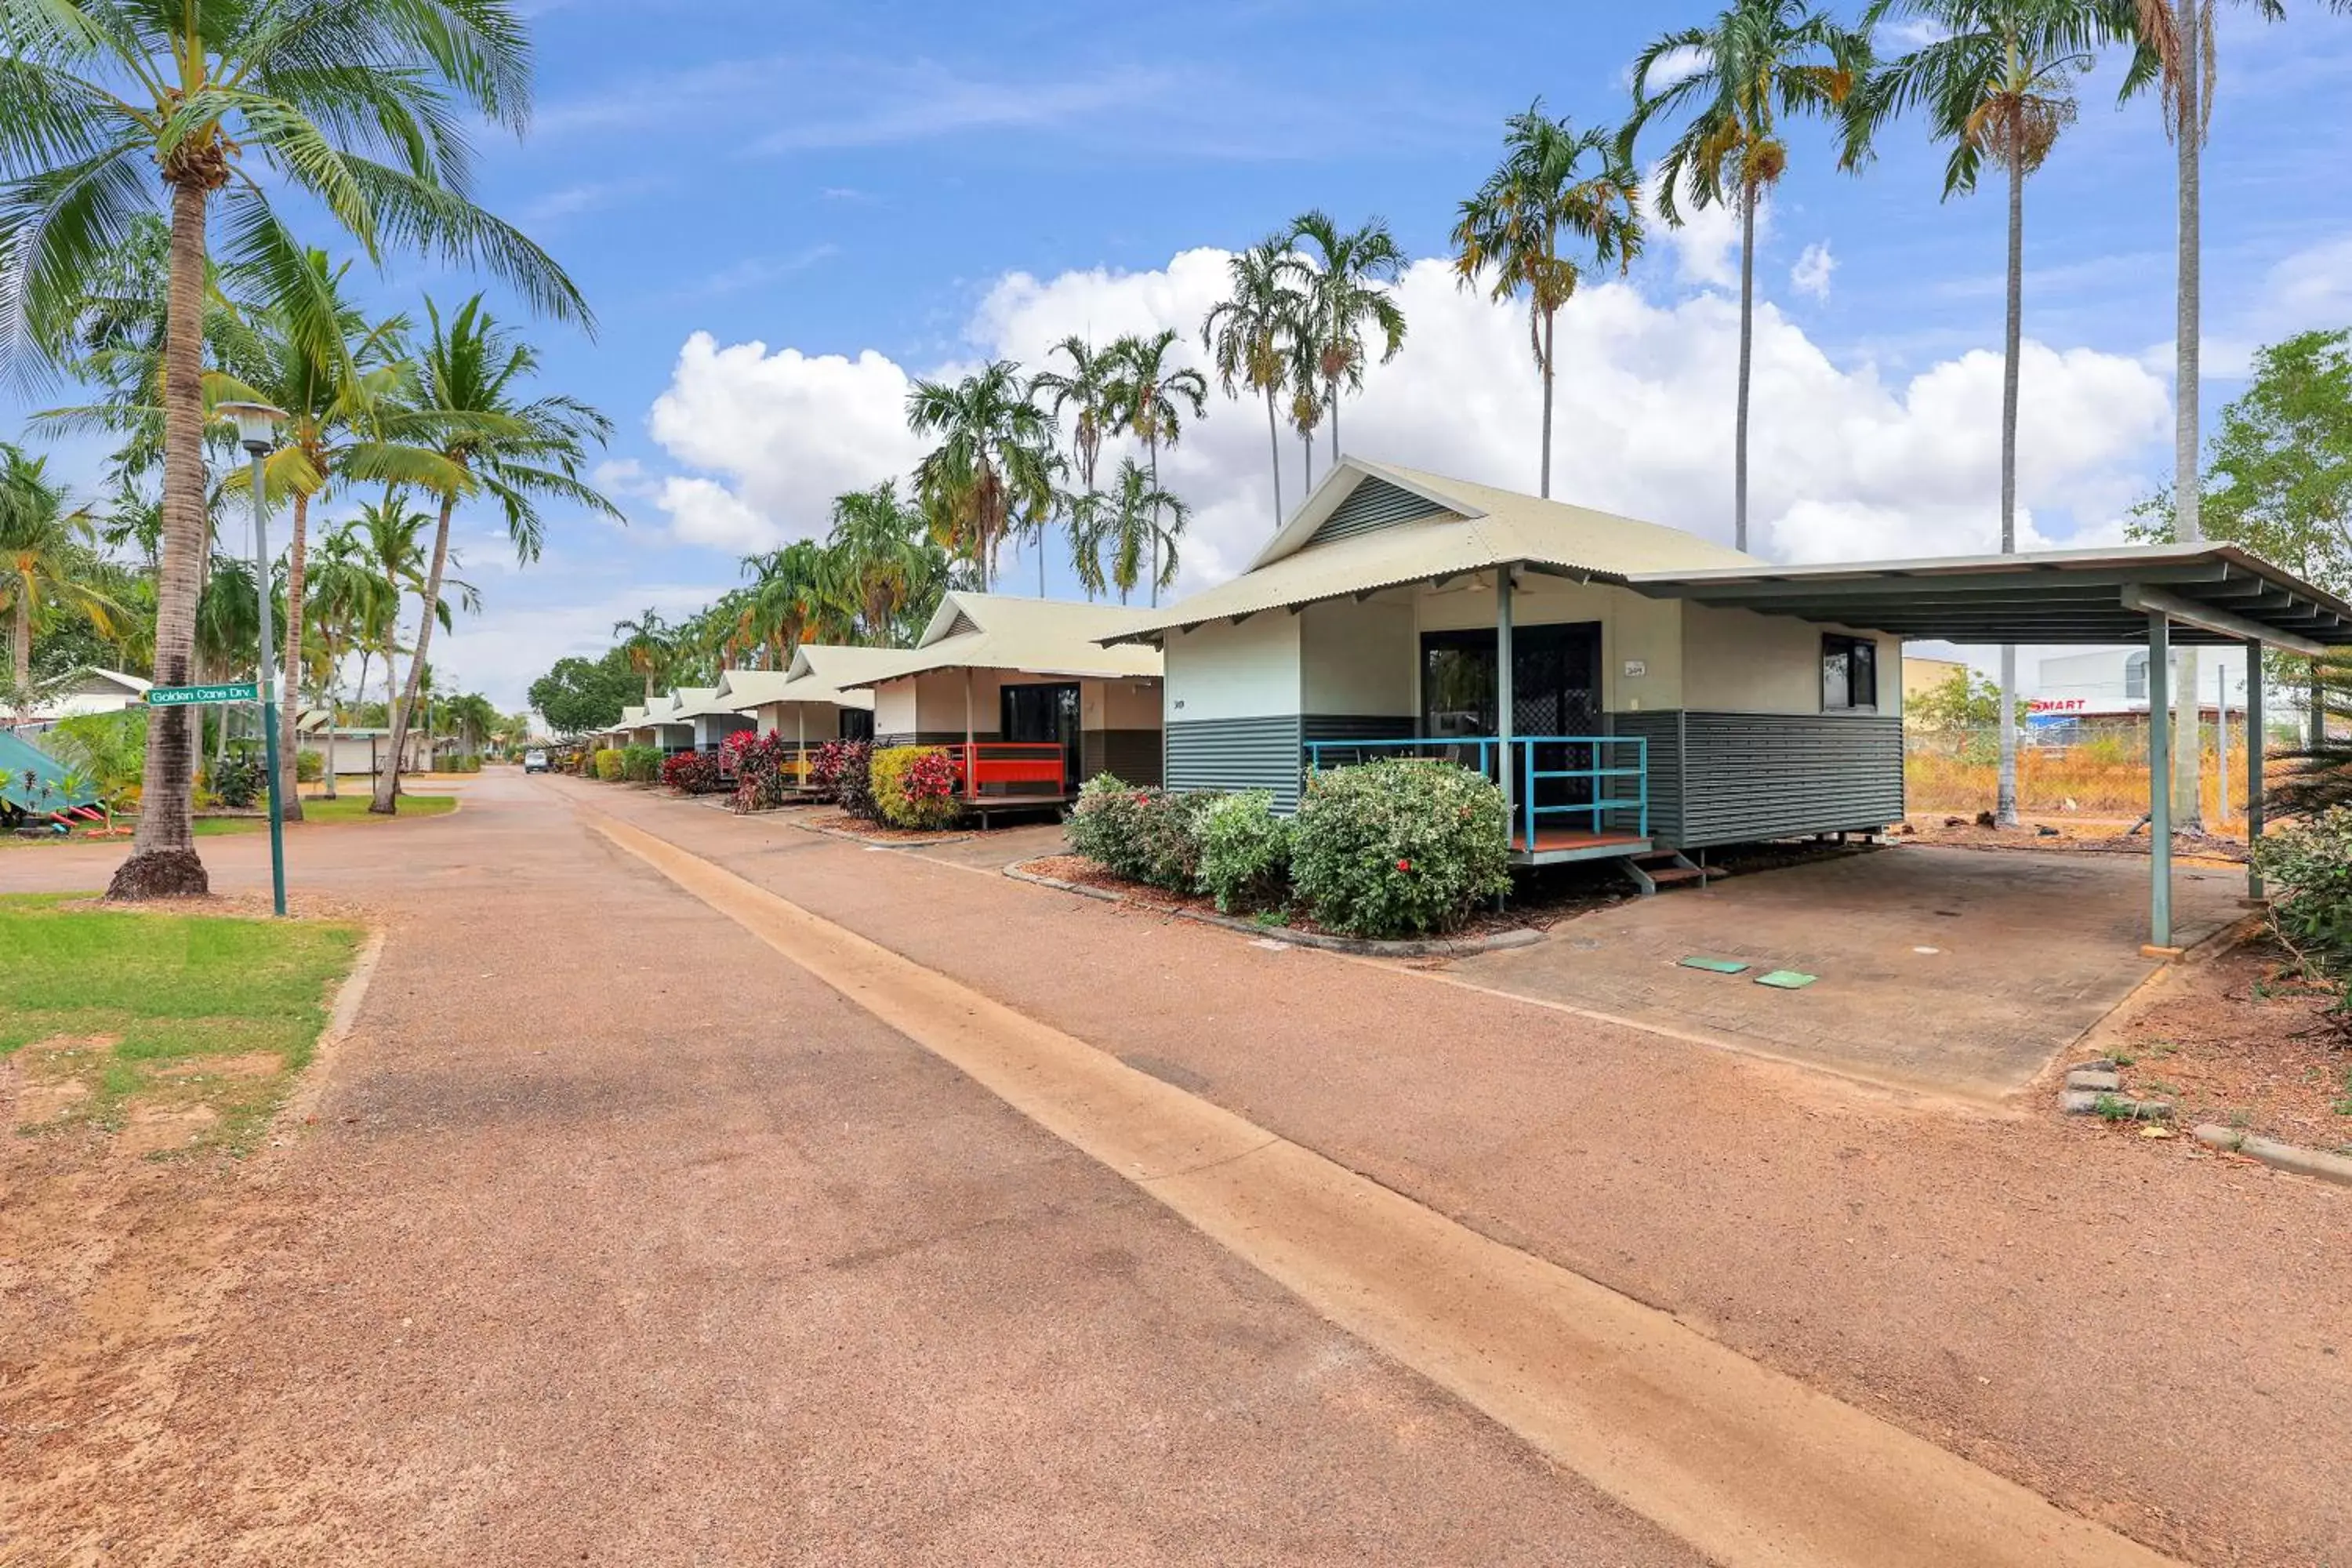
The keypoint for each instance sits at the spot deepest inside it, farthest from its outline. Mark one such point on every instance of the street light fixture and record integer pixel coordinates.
(256, 432)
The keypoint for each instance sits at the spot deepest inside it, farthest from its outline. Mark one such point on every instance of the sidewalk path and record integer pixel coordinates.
(619, 1240)
(2152, 1338)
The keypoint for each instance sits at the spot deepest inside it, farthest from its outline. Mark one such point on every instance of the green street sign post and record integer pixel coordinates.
(192, 696)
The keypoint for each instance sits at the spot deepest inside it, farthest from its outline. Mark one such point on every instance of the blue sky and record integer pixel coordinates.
(927, 184)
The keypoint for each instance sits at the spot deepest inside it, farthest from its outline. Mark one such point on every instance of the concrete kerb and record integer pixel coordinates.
(886, 843)
(1360, 947)
(2293, 1157)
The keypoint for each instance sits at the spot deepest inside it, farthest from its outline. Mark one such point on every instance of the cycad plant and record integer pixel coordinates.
(223, 108)
(1757, 63)
(1996, 81)
(1553, 181)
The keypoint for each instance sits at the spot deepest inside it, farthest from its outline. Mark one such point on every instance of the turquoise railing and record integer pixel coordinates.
(1616, 761)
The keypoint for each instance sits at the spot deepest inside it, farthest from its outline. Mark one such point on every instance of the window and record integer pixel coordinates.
(1849, 675)
(2135, 676)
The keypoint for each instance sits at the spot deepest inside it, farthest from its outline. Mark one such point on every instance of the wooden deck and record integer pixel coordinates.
(1554, 845)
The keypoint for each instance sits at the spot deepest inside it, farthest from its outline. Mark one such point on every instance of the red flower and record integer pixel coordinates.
(1404, 865)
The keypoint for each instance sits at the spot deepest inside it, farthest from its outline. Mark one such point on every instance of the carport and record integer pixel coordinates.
(2194, 595)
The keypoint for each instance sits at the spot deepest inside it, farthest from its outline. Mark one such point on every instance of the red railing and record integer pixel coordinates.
(995, 769)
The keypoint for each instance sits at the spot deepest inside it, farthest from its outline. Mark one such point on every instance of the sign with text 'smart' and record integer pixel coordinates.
(183, 696)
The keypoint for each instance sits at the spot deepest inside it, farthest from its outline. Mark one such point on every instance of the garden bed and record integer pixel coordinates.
(2240, 1040)
(841, 825)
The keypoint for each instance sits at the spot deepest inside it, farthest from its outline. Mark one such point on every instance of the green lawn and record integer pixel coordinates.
(342, 808)
(162, 1013)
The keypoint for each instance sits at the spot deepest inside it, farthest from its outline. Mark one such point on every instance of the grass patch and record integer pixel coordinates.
(342, 808)
(207, 1016)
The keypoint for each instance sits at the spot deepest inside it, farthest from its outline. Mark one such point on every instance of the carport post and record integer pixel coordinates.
(1503, 698)
(2159, 779)
(2254, 766)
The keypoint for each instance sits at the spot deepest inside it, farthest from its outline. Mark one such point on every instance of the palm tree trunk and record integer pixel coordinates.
(1747, 351)
(1154, 445)
(1273, 450)
(327, 773)
(1334, 420)
(2188, 754)
(1307, 445)
(387, 787)
(163, 861)
(2005, 792)
(20, 638)
(1546, 491)
(289, 730)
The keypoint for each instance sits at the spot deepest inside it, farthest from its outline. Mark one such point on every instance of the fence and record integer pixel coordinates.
(2095, 768)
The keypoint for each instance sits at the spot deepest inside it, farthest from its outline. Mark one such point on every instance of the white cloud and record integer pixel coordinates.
(1846, 463)
(1706, 242)
(1811, 273)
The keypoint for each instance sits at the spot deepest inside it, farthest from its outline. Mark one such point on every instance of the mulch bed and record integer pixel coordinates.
(842, 822)
(1085, 873)
(2240, 1040)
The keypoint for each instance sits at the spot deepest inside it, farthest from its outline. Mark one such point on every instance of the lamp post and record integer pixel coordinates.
(256, 432)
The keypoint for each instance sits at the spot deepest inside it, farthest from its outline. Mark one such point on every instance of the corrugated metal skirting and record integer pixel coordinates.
(1734, 778)
(1131, 756)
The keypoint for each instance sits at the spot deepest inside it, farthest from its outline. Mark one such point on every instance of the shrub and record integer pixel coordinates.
(691, 772)
(1399, 849)
(1143, 834)
(309, 767)
(1102, 826)
(641, 764)
(852, 780)
(111, 749)
(609, 765)
(1245, 851)
(238, 781)
(914, 786)
(759, 776)
(2310, 864)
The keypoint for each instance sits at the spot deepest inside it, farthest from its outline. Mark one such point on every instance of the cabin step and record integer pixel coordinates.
(1667, 876)
(1658, 868)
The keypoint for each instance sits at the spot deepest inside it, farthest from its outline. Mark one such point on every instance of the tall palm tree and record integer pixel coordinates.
(468, 394)
(1346, 295)
(649, 644)
(991, 473)
(229, 100)
(1135, 520)
(393, 539)
(1996, 79)
(45, 559)
(1758, 61)
(228, 632)
(1086, 388)
(1513, 227)
(792, 598)
(352, 608)
(1247, 336)
(1150, 395)
(876, 557)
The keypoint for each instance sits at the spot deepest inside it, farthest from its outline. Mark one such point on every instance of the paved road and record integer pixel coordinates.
(618, 1240)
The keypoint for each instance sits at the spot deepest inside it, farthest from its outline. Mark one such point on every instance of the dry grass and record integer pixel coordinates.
(2088, 781)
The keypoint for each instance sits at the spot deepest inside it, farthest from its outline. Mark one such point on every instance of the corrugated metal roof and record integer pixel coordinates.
(1042, 637)
(815, 676)
(1473, 527)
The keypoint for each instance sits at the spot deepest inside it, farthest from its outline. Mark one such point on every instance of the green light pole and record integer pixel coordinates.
(256, 432)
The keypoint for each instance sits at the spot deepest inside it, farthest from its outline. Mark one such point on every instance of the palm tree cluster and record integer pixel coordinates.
(148, 153)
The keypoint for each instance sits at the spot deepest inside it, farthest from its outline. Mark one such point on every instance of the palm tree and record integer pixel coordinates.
(792, 598)
(1137, 519)
(875, 557)
(1086, 388)
(229, 100)
(45, 559)
(1344, 295)
(991, 472)
(648, 643)
(351, 608)
(228, 632)
(1996, 77)
(1149, 395)
(1757, 61)
(393, 539)
(1513, 224)
(468, 396)
(1247, 336)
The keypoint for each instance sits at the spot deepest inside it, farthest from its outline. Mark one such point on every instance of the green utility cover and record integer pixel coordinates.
(1786, 980)
(1714, 965)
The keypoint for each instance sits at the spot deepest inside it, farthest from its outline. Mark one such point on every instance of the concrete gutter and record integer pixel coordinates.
(2279, 1156)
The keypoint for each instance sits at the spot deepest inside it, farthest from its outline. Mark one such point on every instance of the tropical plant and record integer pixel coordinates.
(1149, 395)
(2310, 864)
(1512, 227)
(232, 100)
(608, 764)
(1083, 391)
(1248, 336)
(792, 599)
(914, 786)
(649, 644)
(1399, 849)
(1995, 78)
(1347, 293)
(1736, 78)
(1244, 852)
(469, 384)
(1133, 522)
(110, 749)
(44, 558)
(874, 558)
(993, 471)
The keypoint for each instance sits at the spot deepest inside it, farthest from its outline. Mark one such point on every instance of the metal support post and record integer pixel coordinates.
(2159, 779)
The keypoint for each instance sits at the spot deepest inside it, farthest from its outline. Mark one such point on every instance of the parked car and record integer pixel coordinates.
(534, 761)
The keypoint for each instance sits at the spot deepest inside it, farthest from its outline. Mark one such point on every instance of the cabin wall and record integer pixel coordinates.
(1233, 706)
(1121, 730)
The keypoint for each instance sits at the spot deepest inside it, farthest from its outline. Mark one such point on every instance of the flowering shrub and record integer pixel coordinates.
(1141, 832)
(852, 779)
(824, 767)
(1399, 849)
(1245, 851)
(608, 764)
(691, 772)
(914, 786)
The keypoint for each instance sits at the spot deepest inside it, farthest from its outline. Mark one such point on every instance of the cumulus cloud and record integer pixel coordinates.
(1706, 244)
(1811, 275)
(1846, 463)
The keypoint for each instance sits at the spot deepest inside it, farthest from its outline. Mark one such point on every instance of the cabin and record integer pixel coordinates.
(1027, 695)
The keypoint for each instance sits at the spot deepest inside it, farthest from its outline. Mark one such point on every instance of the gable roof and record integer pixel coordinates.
(1370, 526)
(1004, 631)
(815, 675)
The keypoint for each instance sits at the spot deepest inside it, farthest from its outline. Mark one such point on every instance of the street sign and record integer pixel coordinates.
(186, 696)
